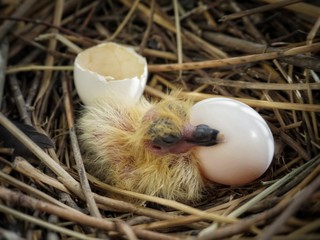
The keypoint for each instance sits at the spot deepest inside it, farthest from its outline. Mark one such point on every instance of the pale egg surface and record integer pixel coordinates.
(248, 148)
(110, 69)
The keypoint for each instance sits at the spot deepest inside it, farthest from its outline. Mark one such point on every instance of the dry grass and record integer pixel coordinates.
(263, 55)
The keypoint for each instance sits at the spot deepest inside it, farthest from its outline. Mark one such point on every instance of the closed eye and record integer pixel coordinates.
(166, 140)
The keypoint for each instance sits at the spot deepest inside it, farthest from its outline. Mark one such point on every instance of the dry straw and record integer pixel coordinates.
(263, 53)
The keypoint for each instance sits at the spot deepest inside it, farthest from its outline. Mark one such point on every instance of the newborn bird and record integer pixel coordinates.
(146, 148)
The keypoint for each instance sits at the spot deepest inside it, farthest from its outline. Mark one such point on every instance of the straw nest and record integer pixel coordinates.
(263, 53)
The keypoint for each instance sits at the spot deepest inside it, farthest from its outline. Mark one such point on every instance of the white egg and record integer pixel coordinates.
(248, 147)
(110, 69)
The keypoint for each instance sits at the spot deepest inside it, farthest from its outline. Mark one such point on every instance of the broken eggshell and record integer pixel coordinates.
(248, 146)
(110, 69)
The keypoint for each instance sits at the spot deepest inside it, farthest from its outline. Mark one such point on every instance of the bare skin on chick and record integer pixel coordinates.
(146, 148)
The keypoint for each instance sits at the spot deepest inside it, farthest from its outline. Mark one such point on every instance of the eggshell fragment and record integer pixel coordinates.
(248, 146)
(110, 69)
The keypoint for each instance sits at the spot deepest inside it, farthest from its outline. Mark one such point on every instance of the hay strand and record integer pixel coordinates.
(262, 53)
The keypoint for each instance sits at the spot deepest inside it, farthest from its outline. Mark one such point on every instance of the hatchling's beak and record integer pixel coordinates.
(203, 135)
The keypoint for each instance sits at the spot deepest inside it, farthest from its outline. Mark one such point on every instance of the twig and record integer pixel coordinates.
(288, 140)
(201, 72)
(165, 202)
(249, 26)
(24, 167)
(4, 48)
(310, 39)
(12, 70)
(197, 10)
(152, 30)
(67, 180)
(234, 60)
(67, 199)
(299, 98)
(301, 60)
(306, 228)
(245, 224)
(72, 46)
(29, 202)
(291, 209)
(86, 189)
(46, 79)
(178, 33)
(125, 20)
(207, 232)
(256, 103)
(205, 46)
(78, 13)
(42, 223)
(313, 31)
(18, 97)
(265, 8)
(33, 90)
(126, 229)
(39, 22)
(34, 191)
(23, 8)
(258, 85)
(146, 34)
(156, 17)
(27, 169)
(44, 48)
(187, 221)
(315, 170)
(311, 10)
(89, 16)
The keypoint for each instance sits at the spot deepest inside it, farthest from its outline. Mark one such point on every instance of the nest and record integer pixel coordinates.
(263, 54)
